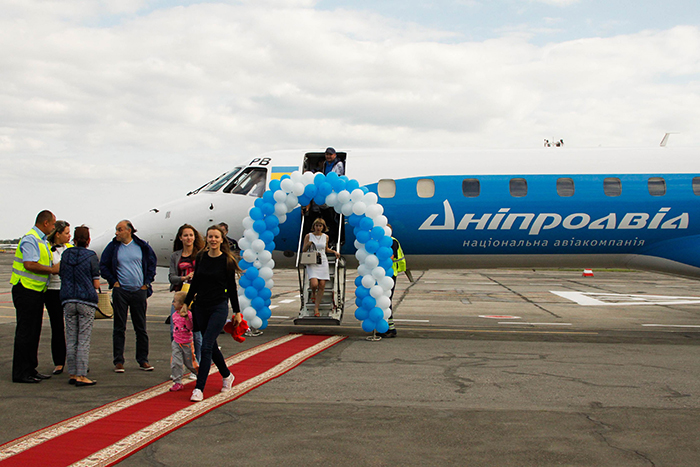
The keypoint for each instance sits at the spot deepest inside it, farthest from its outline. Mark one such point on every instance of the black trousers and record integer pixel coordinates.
(52, 300)
(134, 302)
(29, 307)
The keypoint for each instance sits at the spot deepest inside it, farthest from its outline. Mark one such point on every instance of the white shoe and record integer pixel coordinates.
(227, 383)
(197, 396)
(192, 377)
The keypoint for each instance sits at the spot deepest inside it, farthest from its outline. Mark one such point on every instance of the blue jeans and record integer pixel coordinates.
(211, 320)
(196, 337)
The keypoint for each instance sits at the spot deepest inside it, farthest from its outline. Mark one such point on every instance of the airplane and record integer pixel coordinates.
(482, 208)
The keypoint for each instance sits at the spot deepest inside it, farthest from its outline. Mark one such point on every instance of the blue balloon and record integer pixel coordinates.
(354, 219)
(319, 179)
(384, 253)
(244, 282)
(371, 246)
(267, 236)
(271, 222)
(362, 236)
(388, 265)
(251, 273)
(382, 326)
(352, 185)
(304, 200)
(332, 177)
(265, 293)
(256, 214)
(251, 292)
(264, 324)
(375, 314)
(358, 281)
(320, 199)
(259, 283)
(364, 189)
(358, 303)
(338, 185)
(275, 231)
(264, 314)
(243, 264)
(258, 203)
(325, 189)
(378, 232)
(368, 325)
(268, 208)
(310, 190)
(269, 197)
(386, 241)
(361, 292)
(270, 246)
(275, 186)
(369, 302)
(284, 177)
(361, 314)
(257, 303)
(259, 226)
(268, 302)
(366, 223)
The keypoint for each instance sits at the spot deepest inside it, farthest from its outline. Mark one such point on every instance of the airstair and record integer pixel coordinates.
(332, 302)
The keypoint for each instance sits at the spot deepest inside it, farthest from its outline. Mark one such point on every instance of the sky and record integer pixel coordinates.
(109, 108)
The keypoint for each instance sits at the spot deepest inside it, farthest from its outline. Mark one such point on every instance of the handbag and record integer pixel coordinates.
(311, 257)
(104, 306)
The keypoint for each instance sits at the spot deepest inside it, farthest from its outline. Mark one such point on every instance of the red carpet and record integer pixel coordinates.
(108, 434)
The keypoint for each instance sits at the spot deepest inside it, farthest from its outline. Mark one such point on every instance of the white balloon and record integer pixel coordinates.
(241, 292)
(264, 256)
(359, 208)
(308, 177)
(287, 185)
(251, 234)
(357, 195)
(269, 284)
(387, 313)
(361, 255)
(257, 245)
(244, 243)
(344, 196)
(282, 218)
(371, 261)
(248, 223)
(368, 281)
(281, 208)
(257, 264)
(298, 189)
(363, 270)
(357, 244)
(383, 302)
(270, 264)
(387, 231)
(279, 196)
(332, 199)
(296, 177)
(266, 273)
(381, 221)
(291, 202)
(387, 293)
(386, 283)
(338, 207)
(243, 301)
(374, 210)
(370, 199)
(376, 291)
(255, 322)
(378, 273)
(249, 313)
(249, 255)
(347, 209)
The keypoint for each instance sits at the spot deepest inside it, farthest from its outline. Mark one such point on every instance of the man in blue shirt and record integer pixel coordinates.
(129, 265)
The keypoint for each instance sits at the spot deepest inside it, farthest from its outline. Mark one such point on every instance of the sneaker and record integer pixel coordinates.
(197, 396)
(119, 368)
(177, 387)
(145, 366)
(389, 334)
(192, 377)
(227, 383)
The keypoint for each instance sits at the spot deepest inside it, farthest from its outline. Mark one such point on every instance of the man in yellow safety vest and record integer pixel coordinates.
(399, 265)
(30, 275)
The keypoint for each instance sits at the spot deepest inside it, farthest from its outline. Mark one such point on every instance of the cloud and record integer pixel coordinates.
(160, 101)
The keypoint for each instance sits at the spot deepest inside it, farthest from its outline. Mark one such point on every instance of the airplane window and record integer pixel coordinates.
(425, 188)
(518, 187)
(250, 182)
(612, 186)
(386, 188)
(471, 188)
(565, 187)
(657, 186)
(215, 185)
(696, 185)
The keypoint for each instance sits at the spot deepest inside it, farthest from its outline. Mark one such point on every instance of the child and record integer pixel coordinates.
(182, 347)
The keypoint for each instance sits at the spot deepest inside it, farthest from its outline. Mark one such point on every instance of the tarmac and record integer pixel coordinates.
(490, 367)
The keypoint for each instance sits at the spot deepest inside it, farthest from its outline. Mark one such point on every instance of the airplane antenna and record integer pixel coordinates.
(665, 139)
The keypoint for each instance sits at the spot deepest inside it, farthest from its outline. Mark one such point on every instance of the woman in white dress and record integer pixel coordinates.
(318, 273)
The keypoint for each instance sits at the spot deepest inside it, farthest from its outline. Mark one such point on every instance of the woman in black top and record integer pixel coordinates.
(213, 283)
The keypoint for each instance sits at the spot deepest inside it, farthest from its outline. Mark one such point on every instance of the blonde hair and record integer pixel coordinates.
(322, 222)
(179, 297)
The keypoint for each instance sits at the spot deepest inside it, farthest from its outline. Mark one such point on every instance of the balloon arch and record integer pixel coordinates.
(373, 243)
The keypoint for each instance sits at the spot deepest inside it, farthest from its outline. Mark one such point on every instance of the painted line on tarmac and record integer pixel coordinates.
(534, 324)
(503, 331)
(411, 320)
(279, 317)
(673, 325)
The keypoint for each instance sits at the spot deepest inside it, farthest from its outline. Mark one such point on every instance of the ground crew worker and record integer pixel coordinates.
(399, 265)
(30, 276)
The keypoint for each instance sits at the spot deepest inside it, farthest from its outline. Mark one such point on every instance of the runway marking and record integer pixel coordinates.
(499, 317)
(534, 324)
(673, 325)
(411, 320)
(280, 317)
(272, 307)
(613, 299)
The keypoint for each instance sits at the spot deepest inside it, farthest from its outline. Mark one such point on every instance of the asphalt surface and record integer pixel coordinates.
(489, 368)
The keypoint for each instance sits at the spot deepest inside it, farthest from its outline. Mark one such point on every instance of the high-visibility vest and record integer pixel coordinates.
(31, 280)
(400, 261)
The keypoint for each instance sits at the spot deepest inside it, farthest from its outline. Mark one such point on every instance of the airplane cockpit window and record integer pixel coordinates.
(518, 187)
(425, 188)
(251, 182)
(696, 186)
(612, 186)
(657, 186)
(386, 188)
(217, 183)
(565, 187)
(471, 187)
